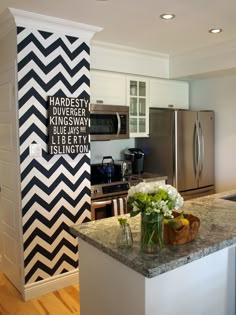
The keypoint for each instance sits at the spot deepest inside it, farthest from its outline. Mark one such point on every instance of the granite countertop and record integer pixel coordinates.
(148, 177)
(217, 231)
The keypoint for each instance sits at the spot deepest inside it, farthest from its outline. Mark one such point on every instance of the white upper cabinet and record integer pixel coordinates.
(139, 93)
(107, 88)
(169, 93)
(138, 100)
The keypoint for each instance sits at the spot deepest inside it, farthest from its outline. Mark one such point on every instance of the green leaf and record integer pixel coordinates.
(181, 215)
(122, 221)
(133, 213)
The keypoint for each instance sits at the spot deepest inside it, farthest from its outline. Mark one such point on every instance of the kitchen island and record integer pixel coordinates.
(196, 278)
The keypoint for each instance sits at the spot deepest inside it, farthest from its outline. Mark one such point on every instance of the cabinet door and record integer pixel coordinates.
(169, 94)
(138, 102)
(107, 88)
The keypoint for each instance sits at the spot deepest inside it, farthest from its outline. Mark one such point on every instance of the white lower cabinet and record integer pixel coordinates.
(169, 93)
(107, 88)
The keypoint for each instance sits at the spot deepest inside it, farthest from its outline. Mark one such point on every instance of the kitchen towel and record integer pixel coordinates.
(119, 206)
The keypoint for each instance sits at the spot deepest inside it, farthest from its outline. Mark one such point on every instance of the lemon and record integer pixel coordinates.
(184, 221)
(166, 221)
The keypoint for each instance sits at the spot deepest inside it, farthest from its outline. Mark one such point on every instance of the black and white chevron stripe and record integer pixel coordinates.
(55, 189)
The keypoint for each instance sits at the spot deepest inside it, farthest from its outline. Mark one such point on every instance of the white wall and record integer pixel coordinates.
(219, 94)
(114, 148)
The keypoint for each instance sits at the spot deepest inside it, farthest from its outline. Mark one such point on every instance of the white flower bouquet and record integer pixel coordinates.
(154, 198)
(154, 201)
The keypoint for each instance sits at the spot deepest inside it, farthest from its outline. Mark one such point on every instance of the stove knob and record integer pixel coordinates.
(95, 191)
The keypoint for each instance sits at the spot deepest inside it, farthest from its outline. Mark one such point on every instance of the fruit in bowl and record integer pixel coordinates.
(177, 222)
(181, 229)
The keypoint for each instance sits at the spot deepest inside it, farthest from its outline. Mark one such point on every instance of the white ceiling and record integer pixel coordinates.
(136, 23)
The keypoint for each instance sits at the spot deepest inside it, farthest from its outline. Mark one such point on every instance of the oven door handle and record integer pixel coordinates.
(101, 203)
(98, 204)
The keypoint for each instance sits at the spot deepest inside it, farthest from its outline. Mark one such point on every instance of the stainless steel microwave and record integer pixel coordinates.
(108, 122)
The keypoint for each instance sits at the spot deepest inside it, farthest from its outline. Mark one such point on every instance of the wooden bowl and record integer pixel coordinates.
(183, 235)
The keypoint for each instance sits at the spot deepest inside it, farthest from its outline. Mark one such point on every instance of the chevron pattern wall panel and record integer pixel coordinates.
(55, 189)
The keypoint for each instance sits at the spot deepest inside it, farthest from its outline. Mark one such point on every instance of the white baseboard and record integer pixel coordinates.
(51, 284)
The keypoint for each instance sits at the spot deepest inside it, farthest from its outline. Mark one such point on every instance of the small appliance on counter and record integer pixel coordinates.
(136, 156)
(107, 169)
(123, 167)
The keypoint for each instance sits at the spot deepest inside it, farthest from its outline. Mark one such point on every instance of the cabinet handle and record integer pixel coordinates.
(99, 101)
(170, 105)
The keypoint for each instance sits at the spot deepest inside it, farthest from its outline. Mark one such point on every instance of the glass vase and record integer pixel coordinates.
(152, 226)
(124, 237)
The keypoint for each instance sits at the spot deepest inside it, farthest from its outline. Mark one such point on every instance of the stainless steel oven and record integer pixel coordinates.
(100, 209)
(107, 193)
(102, 196)
(108, 122)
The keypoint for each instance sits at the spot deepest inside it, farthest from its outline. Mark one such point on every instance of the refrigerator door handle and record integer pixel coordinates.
(201, 149)
(197, 150)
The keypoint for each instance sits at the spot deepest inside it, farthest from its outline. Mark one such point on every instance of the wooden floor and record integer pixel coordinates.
(61, 302)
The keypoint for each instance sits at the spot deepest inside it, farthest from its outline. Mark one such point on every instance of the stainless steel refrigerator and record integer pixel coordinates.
(181, 146)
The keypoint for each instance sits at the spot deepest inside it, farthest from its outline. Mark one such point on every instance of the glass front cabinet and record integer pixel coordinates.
(138, 102)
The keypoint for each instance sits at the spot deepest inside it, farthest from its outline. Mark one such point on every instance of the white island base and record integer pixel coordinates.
(203, 287)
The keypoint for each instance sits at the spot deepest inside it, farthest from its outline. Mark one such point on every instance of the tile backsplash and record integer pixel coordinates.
(114, 148)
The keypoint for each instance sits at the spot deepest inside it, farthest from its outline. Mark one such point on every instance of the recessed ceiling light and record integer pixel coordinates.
(167, 16)
(215, 30)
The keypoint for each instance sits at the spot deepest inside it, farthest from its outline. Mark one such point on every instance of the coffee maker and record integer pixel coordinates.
(136, 156)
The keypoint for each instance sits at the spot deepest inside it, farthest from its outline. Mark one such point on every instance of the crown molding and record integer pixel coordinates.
(205, 61)
(110, 57)
(208, 51)
(49, 24)
(129, 50)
